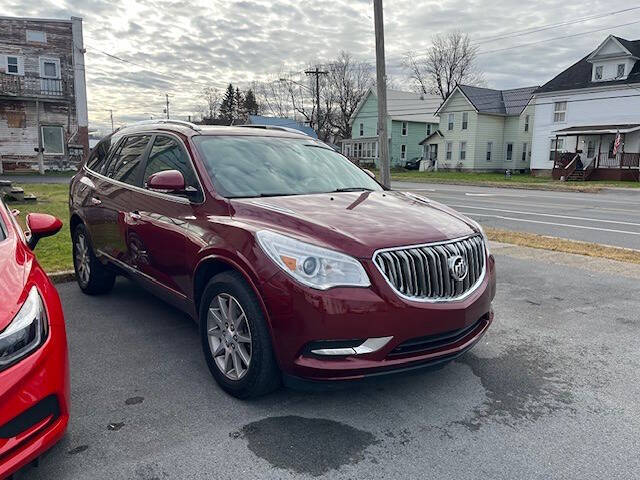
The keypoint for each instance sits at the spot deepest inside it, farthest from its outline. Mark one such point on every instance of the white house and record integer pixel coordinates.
(580, 112)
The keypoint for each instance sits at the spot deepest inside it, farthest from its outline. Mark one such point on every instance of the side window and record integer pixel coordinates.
(124, 163)
(167, 154)
(98, 156)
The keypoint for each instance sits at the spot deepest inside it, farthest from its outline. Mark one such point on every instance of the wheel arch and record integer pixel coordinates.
(212, 265)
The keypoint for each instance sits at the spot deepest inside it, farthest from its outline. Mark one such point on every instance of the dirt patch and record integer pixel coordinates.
(312, 446)
(564, 245)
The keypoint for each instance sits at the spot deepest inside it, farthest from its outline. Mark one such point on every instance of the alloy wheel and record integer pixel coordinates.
(83, 265)
(229, 336)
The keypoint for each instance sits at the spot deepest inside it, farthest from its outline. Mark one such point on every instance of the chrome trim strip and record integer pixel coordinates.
(459, 298)
(370, 345)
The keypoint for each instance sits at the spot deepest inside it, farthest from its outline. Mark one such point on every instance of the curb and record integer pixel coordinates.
(62, 277)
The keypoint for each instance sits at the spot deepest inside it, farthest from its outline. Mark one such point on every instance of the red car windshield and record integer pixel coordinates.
(253, 166)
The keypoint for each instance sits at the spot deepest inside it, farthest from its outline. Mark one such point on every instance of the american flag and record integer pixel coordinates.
(616, 145)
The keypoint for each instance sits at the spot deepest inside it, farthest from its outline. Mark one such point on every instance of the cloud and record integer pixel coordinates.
(183, 46)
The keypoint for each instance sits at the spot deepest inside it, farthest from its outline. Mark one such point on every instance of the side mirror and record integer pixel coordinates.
(41, 225)
(370, 173)
(167, 181)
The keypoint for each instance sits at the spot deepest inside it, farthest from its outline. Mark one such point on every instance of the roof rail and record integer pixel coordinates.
(275, 127)
(192, 126)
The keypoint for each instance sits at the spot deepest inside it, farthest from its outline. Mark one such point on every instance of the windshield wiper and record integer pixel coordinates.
(352, 189)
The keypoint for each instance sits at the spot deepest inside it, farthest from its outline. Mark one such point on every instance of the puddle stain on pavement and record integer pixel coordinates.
(312, 446)
(524, 383)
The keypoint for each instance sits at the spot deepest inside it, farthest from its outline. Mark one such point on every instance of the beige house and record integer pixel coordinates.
(482, 129)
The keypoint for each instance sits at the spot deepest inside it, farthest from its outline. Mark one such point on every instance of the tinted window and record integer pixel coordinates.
(261, 166)
(124, 163)
(167, 154)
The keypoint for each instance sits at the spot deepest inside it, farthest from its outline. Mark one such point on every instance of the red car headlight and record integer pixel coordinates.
(26, 332)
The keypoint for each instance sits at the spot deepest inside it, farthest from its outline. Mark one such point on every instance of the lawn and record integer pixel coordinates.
(516, 180)
(54, 253)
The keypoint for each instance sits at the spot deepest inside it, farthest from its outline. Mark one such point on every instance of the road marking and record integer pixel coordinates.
(481, 194)
(474, 214)
(553, 206)
(568, 217)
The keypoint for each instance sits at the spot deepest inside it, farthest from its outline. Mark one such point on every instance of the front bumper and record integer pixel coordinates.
(301, 318)
(34, 397)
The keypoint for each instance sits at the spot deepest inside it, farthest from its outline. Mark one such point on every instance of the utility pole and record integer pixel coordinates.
(381, 77)
(167, 95)
(317, 72)
(111, 114)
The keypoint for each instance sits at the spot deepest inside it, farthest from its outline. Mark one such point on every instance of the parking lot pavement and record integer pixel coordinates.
(551, 392)
(611, 217)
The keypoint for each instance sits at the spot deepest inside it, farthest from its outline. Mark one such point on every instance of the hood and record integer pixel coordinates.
(357, 223)
(14, 269)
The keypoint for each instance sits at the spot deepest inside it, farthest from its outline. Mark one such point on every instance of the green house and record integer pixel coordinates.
(411, 118)
(482, 129)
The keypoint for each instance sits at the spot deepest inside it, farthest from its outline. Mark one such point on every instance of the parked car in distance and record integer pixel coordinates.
(295, 263)
(413, 164)
(34, 372)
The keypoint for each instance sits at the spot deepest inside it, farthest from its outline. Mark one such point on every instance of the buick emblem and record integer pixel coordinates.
(458, 268)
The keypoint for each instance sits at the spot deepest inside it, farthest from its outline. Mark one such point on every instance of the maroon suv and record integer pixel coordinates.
(294, 261)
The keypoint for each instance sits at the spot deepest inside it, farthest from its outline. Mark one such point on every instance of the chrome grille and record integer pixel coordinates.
(422, 272)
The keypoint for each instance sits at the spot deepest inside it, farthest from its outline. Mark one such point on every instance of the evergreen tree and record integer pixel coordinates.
(239, 113)
(228, 107)
(250, 104)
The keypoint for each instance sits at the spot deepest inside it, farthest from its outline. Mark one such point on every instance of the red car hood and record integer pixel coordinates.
(357, 223)
(14, 270)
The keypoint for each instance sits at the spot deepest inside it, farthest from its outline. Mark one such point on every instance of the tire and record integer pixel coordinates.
(262, 375)
(98, 279)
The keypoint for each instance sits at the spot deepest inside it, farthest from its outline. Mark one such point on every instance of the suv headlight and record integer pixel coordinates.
(313, 266)
(26, 332)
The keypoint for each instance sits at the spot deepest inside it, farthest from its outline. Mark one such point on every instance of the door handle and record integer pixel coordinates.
(96, 201)
(135, 216)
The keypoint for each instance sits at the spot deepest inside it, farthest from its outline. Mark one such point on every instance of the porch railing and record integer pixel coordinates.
(621, 160)
(32, 86)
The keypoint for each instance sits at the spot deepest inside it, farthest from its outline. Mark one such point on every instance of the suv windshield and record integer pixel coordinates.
(252, 166)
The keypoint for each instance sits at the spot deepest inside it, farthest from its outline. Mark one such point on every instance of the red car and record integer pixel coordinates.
(34, 371)
(294, 261)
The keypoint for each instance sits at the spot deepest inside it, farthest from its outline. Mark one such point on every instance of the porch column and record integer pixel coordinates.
(624, 137)
(555, 152)
(599, 150)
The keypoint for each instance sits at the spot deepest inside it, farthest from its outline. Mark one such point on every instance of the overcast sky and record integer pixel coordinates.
(180, 46)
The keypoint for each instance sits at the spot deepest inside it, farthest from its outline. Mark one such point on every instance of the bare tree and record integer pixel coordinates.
(451, 60)
(212, 99)
(348, 82)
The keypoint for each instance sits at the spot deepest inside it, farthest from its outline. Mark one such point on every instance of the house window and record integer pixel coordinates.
(465, 120)
(598, 75)
(489, 150)
(559, 112)
(449, 150)
(451, 120)
(428, 129)
(362, 129)
(559, 146)
(526, 123)
(509, 155)
(524, 152)
(53, 140)
(405, 128)
(14, 65)
(591, 148)
(37, 36)
(463, 151)
(620, 72)
(50, 68)
(403, 152)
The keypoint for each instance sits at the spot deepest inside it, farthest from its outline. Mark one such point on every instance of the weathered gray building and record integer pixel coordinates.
(43, 98)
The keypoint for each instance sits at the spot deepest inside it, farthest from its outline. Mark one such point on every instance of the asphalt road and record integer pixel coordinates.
(551, 392)
(30, 179)
(610, 217)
